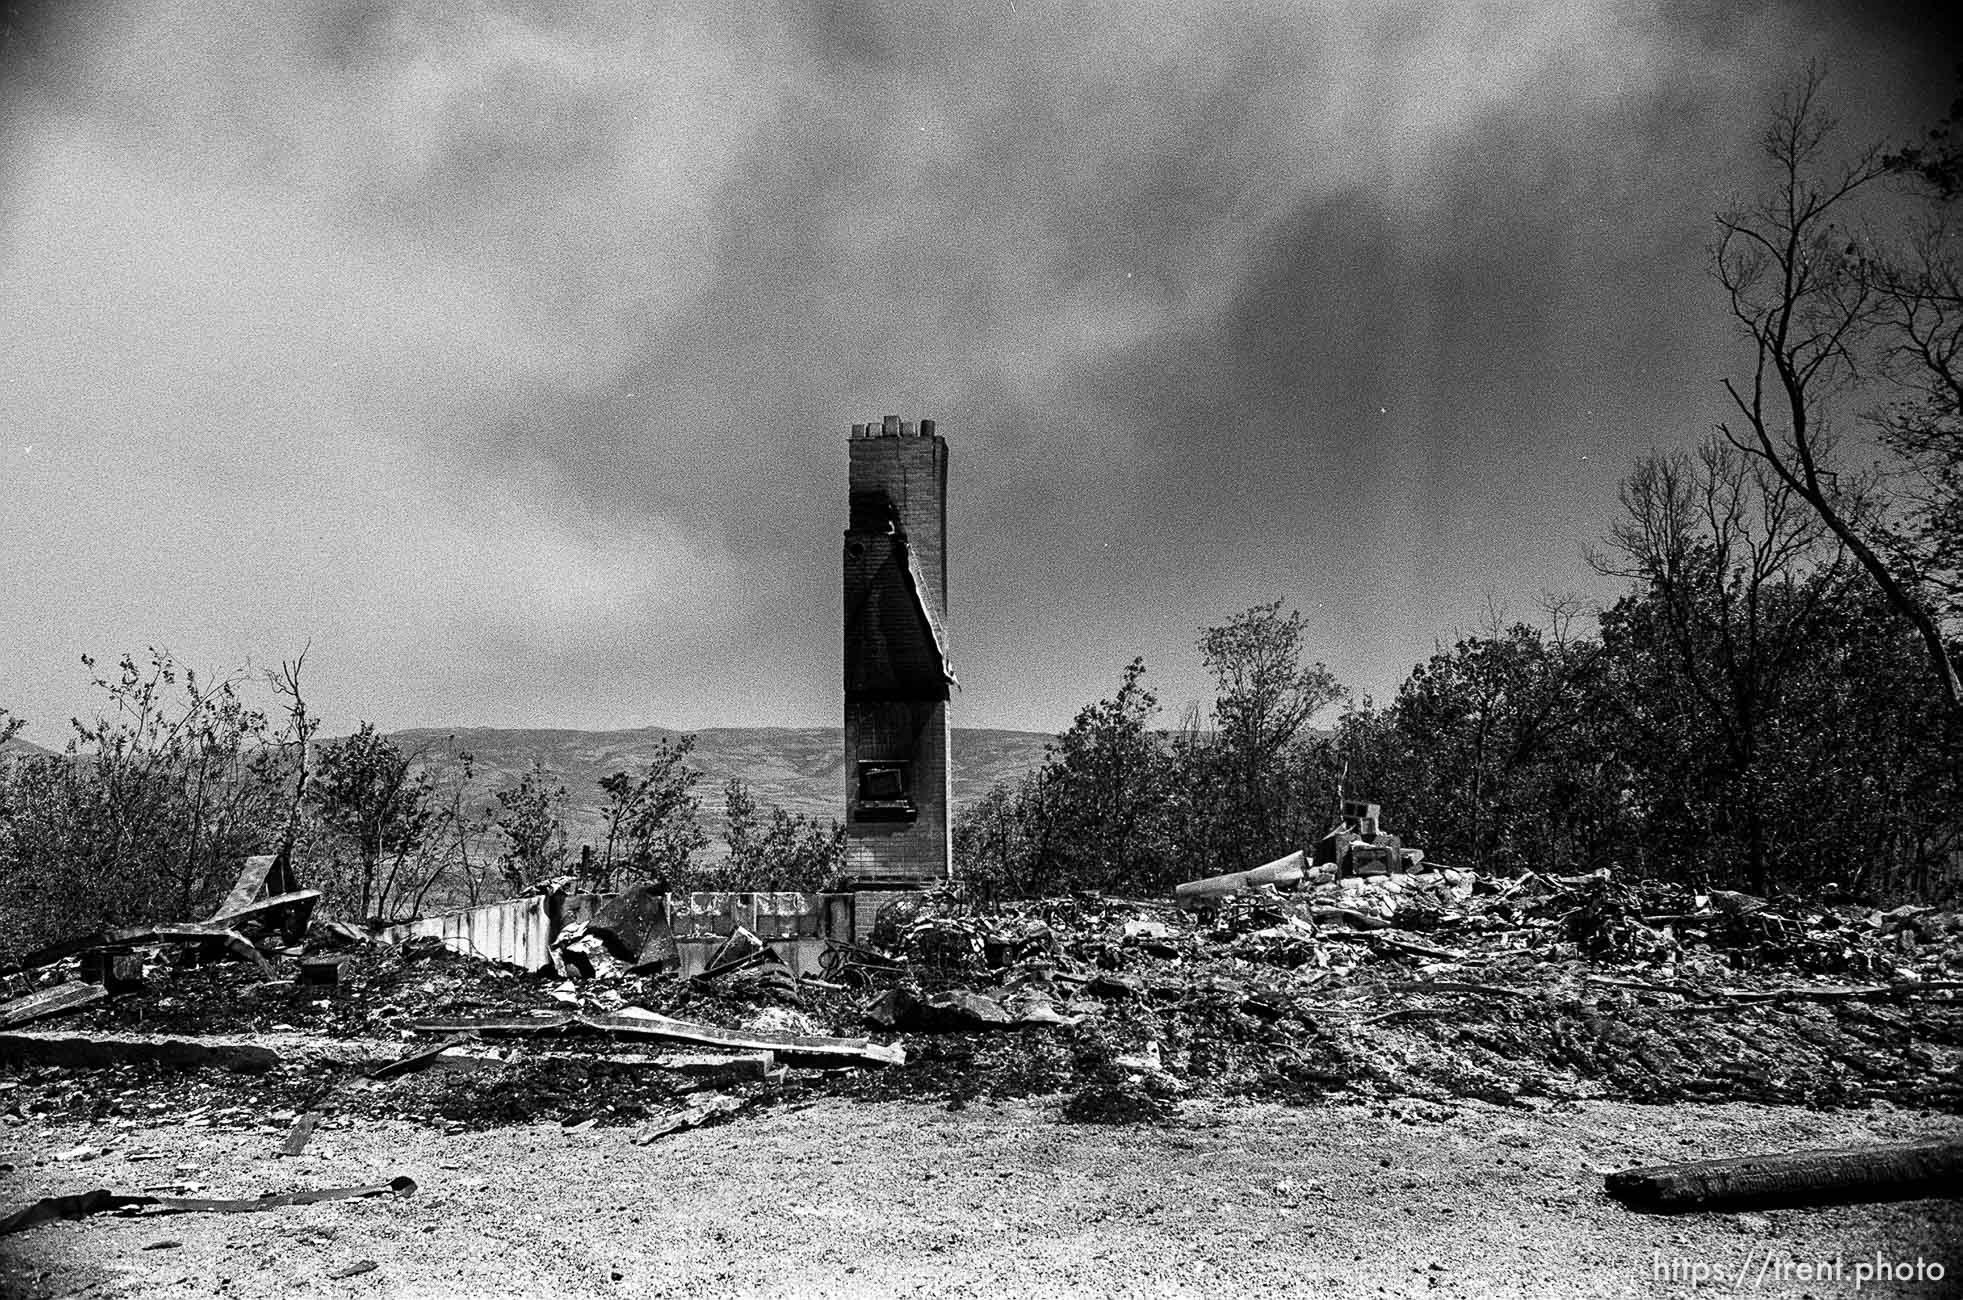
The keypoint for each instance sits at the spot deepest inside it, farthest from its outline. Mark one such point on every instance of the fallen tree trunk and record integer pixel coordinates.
(1838, 1176)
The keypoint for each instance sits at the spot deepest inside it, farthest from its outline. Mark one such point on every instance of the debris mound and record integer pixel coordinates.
(1361, 969)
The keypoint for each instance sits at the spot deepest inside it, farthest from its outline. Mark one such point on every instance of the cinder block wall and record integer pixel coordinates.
(896, 699)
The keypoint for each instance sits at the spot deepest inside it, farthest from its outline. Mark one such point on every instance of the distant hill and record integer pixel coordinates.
(19, 746)
(801, 769)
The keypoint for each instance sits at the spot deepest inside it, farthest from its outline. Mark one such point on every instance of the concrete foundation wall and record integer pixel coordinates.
(797, 927)
(517, 931)
(800, 928)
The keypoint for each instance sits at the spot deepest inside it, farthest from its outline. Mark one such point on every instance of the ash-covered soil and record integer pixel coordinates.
(842, 1198)
(1407, 1086)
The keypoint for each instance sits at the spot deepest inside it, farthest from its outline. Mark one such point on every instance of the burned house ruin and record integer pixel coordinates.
(897, 675)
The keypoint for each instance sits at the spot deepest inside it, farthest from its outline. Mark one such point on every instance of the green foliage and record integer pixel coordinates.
(1493, 761)
(1748, 715)
(653, 819)
(1265, 695)
(376, 805)
(148, 813)
(1107, 811)
(779, 850)
(531, 817)
(1099, 811)
(393, 825)
(1255, 778)
(1735, 579)
(993, 850)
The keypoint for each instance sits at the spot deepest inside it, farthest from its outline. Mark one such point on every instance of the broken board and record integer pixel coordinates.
(50, 1002)
(633, 1020)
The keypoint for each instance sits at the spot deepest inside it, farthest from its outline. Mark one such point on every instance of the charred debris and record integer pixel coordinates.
(1354, 968)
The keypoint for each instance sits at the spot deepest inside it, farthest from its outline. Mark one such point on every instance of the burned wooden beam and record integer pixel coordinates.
(1830, 1177)
(636, 1022)
(323, 970)
(287, 913)
(95, 1052)
(203, 933)
(740, 950)
(713, 1107)
(290, 909)
(102, 1200)
(269, 873)
(50, 1002)
(118, 970)
(297, 1136)
(54, 952)
(417, 1060)
(1349, 916)
(328, 1099)
(496, 1026)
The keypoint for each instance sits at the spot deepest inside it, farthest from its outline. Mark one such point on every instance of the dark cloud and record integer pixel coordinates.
(525, 335)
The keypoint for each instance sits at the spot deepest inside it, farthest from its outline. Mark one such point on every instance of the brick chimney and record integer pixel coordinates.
(897, 675)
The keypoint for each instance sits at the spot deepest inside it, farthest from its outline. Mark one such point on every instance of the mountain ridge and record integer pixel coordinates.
(800, 769)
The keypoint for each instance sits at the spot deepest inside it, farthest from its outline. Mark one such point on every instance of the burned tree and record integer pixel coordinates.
(1827, 309)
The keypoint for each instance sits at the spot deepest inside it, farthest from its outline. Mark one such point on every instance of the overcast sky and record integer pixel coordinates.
(506, 353)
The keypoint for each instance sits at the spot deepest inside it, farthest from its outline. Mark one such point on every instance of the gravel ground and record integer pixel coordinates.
(903, 1198)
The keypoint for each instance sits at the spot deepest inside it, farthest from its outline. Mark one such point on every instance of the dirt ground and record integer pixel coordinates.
(843, 1197)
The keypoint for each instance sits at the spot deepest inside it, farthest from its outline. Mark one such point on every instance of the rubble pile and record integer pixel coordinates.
(1436, 984)
(1370, 972)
